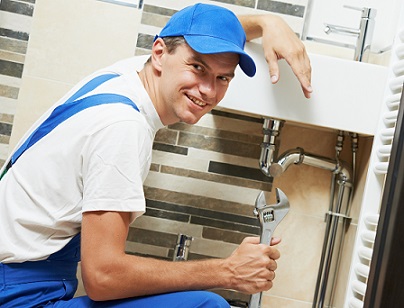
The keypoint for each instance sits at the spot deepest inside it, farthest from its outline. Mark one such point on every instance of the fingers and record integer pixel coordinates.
(272, 61)
(251, 240)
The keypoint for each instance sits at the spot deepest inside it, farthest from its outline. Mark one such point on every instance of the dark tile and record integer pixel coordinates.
(11, 68)
(18, 35)
(166, 135)
(158, 10)
(236, 116)
(150, 211)
(155, 167)
(238, 171)
(219, 145)
(224, 225)
(5, 129)
(151, 237)
(170, 148)
(224, 179)
(281, 7)
(217, 234)
(145, 41)
(17, 7)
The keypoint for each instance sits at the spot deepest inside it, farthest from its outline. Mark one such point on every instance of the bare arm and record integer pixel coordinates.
(109, 273)
(279, 42)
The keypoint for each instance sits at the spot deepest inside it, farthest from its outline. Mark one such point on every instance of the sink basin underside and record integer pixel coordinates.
(347, 95)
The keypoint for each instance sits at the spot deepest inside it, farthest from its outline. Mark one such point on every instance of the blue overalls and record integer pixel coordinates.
(53, 282)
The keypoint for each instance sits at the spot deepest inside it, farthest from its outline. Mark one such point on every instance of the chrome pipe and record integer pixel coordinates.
(270, 145)
(331, 252)
(298, 156)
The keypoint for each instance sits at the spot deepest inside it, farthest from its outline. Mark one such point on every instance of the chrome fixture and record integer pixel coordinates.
(364, 33)
(269, 216)
(270, 145)
(337, 218)
(182, 248)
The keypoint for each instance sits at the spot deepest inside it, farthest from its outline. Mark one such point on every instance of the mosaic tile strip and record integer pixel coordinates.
(238, 171)
(281, 7)
(204, 202)
(237, 178)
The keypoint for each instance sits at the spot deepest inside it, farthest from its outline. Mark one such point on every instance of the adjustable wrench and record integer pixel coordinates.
(269, 217)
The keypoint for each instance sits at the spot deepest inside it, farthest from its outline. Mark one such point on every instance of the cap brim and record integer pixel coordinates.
(211, 45)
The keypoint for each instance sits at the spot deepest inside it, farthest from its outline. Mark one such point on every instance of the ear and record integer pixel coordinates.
(158, 51)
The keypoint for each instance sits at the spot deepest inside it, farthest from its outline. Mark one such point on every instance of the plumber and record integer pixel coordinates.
(75, 182)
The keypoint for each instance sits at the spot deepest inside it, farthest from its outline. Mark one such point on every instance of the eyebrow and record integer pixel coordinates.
(197, 58)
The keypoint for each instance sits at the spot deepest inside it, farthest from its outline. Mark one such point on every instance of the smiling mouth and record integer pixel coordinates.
(197, 101)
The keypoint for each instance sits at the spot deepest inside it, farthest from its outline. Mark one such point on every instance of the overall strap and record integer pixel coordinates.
(72, 106)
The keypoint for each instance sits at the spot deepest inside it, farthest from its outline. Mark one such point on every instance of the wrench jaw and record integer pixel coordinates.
(269, 216)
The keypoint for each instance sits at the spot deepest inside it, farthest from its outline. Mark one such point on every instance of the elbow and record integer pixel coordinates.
(97, 284)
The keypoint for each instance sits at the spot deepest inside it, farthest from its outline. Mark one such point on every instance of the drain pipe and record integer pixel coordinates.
(270, 145)
(298, 156)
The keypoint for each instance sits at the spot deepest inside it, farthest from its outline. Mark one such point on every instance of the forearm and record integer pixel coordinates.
(109, 273)
(254, 25)
(133, 276)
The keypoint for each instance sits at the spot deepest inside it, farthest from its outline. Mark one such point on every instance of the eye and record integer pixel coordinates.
(224, 79)
(198, 67)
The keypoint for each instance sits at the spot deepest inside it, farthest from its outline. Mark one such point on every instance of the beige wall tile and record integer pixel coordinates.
(67, 43)
(302, 240)
(35, 97)
(279, 302)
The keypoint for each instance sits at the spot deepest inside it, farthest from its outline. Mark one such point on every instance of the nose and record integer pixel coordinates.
(207, 87)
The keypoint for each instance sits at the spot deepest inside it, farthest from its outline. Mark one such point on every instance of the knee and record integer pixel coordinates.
(211, 300)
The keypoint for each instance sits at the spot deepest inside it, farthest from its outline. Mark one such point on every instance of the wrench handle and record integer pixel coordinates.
(255, 300)
(266, 236)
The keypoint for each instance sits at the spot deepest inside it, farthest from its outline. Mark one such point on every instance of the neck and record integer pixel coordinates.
(150, 81)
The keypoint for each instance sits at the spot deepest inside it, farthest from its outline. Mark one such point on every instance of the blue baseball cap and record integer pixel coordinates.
(210, 29)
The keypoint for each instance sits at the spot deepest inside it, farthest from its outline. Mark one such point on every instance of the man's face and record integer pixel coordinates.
(192, 84)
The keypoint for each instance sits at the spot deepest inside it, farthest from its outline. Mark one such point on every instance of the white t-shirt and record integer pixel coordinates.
(95, 160)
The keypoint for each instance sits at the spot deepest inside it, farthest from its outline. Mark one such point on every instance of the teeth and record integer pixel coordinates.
(198, 102)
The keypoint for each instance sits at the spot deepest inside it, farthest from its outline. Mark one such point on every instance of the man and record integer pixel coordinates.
(75, 180)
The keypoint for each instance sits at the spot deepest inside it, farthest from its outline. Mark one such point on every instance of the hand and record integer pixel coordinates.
(279, 42)
(253, 266)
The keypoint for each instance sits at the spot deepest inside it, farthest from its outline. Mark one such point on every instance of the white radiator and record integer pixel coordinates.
(368, 219)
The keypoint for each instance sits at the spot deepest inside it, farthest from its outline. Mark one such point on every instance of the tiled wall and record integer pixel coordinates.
(204, 178)
(15, 24)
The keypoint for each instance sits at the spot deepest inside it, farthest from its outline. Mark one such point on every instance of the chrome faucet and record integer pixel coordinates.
(364, 33)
